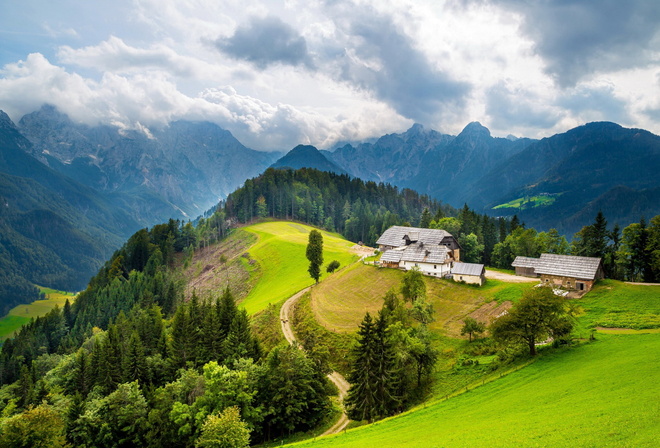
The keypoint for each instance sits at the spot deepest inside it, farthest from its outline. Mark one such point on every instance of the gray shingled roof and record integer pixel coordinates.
(391, 256)
(562, 265)
(426, 253)
(467, 269)
(394, 236)
(416, 253)
(525, 262)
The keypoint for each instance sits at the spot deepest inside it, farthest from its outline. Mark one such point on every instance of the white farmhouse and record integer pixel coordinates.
(432, 251)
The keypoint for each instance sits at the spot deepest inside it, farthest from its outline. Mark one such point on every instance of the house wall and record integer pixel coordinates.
(470, 279)
(567, 282)
(432, 270)
(526, 272)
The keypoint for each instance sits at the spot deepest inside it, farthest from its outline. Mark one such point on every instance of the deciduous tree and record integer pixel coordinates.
(315, 254)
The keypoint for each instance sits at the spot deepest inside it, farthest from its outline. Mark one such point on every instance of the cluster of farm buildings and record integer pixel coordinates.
(437, 253)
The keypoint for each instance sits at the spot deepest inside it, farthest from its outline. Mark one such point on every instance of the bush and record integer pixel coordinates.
(332, 266)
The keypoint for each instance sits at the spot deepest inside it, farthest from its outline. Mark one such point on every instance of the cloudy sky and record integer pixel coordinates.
(279, 73)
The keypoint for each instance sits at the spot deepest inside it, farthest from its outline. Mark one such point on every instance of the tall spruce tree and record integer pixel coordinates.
(315, 254)
(361, 402)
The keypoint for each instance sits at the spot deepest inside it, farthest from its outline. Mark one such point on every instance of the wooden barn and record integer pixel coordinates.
(472, 273)
(432, 251)
(567, 271)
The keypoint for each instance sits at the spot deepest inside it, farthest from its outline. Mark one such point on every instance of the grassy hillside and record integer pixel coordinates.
(599, 394)
(21, 314)
(263, 263)
(282, 265)
(616, 304)
(339, 303)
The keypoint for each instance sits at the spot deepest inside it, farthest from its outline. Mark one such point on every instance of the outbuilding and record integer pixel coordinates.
(566, 271)
(472, 273)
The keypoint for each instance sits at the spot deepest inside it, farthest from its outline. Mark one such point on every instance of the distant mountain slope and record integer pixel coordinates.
(393, 158)
(582, 167)
(53, 231)
(178, 171)
(305, 156)
(569, 174)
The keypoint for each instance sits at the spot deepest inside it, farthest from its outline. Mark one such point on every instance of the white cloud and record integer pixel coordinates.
(366, 67)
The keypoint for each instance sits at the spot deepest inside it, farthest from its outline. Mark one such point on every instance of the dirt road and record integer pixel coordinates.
(286, 313)
(509, 277)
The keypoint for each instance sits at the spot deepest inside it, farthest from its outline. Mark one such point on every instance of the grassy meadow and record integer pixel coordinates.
(281, 248)
(615, 304)
(601, 394)
(21, 314)
(529, 202)
(340, 302)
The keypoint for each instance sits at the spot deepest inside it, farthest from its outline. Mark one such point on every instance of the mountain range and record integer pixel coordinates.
(560, 181)
(71, 193)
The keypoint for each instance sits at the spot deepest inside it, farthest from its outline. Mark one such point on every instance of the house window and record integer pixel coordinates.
(435, 266)
(461, 278)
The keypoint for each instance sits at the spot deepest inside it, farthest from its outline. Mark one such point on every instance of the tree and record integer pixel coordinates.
(472, 249)
(539, 315)
(315, 254)
(413, 286)
(472, 327)
(226, 430)
(332, 266)
(374, 374)
(39, 427)
(425, 219)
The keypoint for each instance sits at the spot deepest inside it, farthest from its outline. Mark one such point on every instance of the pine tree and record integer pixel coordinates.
(425, 219)
(361, 401)
(315, 254)
(135, 366)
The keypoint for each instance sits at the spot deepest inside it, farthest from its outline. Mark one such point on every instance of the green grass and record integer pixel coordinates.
(526, 202)
(619, 305)
(21, 314)
(340, 302)
(599, 394)
(280, 252)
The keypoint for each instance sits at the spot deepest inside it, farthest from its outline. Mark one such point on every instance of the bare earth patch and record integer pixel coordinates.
(208, 276)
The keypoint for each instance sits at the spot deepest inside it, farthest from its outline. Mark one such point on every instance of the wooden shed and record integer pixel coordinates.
(472, 273)
(566, 271)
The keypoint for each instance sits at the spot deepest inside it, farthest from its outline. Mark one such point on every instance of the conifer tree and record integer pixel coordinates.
(135, 366)
(315, 254)
(361, 401)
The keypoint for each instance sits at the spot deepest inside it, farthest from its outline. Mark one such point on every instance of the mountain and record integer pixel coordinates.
(560, 181)
(179, 171)
(305, 156)
(596, 166)
(53, 230)
(393, 158)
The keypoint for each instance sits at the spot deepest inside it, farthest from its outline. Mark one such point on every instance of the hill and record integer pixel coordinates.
(599, 394)
(265, 263)
(339, 303)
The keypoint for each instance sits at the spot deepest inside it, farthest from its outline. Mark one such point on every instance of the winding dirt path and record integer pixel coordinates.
(286, 313)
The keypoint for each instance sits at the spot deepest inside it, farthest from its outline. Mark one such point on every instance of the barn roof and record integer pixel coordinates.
(561, 265)
(467, 269)
(416, 253)
(424, 253)
(525, 262)
(395, 236)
